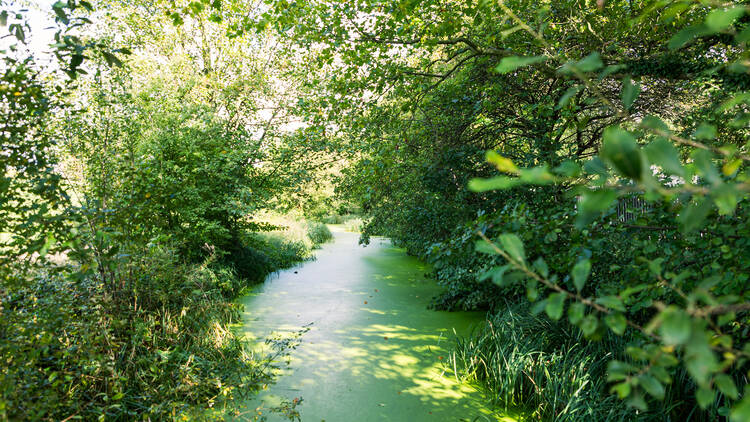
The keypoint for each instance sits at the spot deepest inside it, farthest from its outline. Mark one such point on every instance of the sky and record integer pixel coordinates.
(38, 14)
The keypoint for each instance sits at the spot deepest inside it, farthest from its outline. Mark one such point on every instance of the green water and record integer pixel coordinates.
(374, 352)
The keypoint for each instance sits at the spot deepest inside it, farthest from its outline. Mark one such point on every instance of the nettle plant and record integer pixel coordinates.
(697, 321)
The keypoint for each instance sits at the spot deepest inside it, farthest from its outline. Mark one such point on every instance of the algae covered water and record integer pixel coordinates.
(372, 351)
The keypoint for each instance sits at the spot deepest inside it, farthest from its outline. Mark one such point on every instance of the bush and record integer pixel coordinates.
(318, 233)
(249, 263)
(157, 347)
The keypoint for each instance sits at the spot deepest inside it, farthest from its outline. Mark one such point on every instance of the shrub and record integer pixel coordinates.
(249, 263)
(318, 233)
(158, 347)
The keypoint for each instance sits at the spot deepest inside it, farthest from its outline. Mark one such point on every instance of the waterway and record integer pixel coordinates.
(370, 349)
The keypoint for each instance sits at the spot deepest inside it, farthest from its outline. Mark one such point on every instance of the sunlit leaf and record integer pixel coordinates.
(494, 183)
(502, 163)
(676, 326)
(513, 246)
(719, 19)
(509, 64)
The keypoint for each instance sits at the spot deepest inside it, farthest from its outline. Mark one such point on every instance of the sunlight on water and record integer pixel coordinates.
(374, 352)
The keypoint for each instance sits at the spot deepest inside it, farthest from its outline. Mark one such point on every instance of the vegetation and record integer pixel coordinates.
(620, 133)
(127, 202)
(577, 168)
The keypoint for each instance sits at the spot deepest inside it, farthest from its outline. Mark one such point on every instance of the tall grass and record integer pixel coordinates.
(544, 369)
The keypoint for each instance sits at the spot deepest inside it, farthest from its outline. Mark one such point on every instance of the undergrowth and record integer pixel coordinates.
(149, 338)
(547, 371)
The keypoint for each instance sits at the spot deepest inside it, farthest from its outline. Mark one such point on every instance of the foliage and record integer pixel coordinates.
(73, 352)
(353, 225)
(619, 131)
(127, 201)
(318, 233)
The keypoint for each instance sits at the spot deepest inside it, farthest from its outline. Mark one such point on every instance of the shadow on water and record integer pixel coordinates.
(374, 352)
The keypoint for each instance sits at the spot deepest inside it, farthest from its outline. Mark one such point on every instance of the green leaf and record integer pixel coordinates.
(630, 92)
(592, 203)
(622, 389)
(704, 397)
(726, 385)
(3, 18)
(590, 63)
(495, 273)
(589, 324)
(743, 36)
(486, 247)
(576, 312)
(687, 36)
(662, 153)
(741, 98)
(636, 400)
(503, 164)
(513, 246)
(495, 183)
(719, 19)
(694, 215)
(597, 200)
(731, 167)
(555, 304)
(618, 370)
(700, 360)
(652, 386)
(676, 326)
(58, 8)
(509, 64)
(741, 410)
(702, 160)
(654, 266)
(616, 322)
(568, 168)
(531, 291)
(580, 273)
(611, 302)
(111, 59)
(705, 132)
(621, 150)
(726, 197)
(570, 93)
(541, 267)
(656, 124)
(539, 175)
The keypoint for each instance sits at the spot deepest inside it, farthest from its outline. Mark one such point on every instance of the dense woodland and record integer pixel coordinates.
(577, 169)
